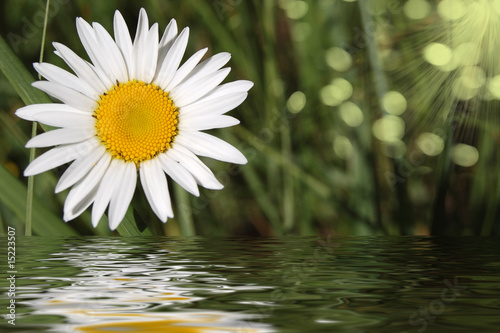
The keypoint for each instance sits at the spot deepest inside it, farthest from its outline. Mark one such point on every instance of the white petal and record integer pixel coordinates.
(111, 56)
(191, 90)
(65, 119)
(150, 54)
(230, 88)
(210, 106)
(209, 66)
(207, 122)
(60, 137)
(167, 40)
(122, 37)
(29, 112)
(79, 206)
(83, 193)
(179, 174)
(82, 69)
(89, 41)
(186, 68)
(204, 144)
(110, 181)
(87, 37)
(172, 60)
(58, 156)
(59, 75)
(142, 25)
(155, 187)
(124, 191)
(66, 95)
(138, 66)
(197, 168)
(79, 168)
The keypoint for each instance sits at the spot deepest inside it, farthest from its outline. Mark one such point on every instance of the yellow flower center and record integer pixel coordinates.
(136, 121)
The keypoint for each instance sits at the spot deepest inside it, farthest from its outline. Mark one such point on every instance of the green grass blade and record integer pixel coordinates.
(129, 227)
(259, 191)
(31, 179)
(13, 196)
(19, 76)
(184, 212)
(31, 187)
(276, 157)
(21, 80)
(209, 12)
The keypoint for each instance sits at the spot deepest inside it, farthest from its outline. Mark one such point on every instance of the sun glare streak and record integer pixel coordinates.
(450, 66)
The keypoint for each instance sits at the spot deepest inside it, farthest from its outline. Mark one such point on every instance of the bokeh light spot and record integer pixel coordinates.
(296, 9)
(338, 59)
(351, 114)
(296, 102)
(417, 9)
(464, 155)
(327, 95)
(336, 92)
(394, 103)
(430, 144)
(437, 54)
(389, 128)
(343, 88)
(494, 86)
(342, 146)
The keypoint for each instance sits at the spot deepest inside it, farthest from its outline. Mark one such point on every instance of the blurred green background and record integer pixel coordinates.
(355, 125)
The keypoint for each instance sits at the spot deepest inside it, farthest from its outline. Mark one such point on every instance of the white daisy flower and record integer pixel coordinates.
(133, 110)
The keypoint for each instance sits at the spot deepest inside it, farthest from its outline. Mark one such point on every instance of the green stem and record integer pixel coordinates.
(288, 181)
(381, 88)
(44, 32)
(439, 219)
(273, 172)
(184, 212)
(31, 179)
(489, 219)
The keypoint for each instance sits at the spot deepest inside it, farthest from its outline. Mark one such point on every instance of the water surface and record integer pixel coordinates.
(364, 284)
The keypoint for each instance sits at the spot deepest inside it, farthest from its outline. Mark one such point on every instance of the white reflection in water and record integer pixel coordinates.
(115, 291)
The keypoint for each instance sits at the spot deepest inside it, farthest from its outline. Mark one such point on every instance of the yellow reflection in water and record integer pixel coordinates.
(178, 325)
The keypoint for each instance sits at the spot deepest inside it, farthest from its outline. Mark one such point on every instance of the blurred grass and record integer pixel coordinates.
(309, 171)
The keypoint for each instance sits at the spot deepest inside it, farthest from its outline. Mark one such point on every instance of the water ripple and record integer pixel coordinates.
(385, 284)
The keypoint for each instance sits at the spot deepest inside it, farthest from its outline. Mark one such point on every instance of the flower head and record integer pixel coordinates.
(134, 109)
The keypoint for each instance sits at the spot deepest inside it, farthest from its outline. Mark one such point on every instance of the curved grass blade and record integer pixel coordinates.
(34, 125)
(19, 77)
(13, 196)
(129, 226)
